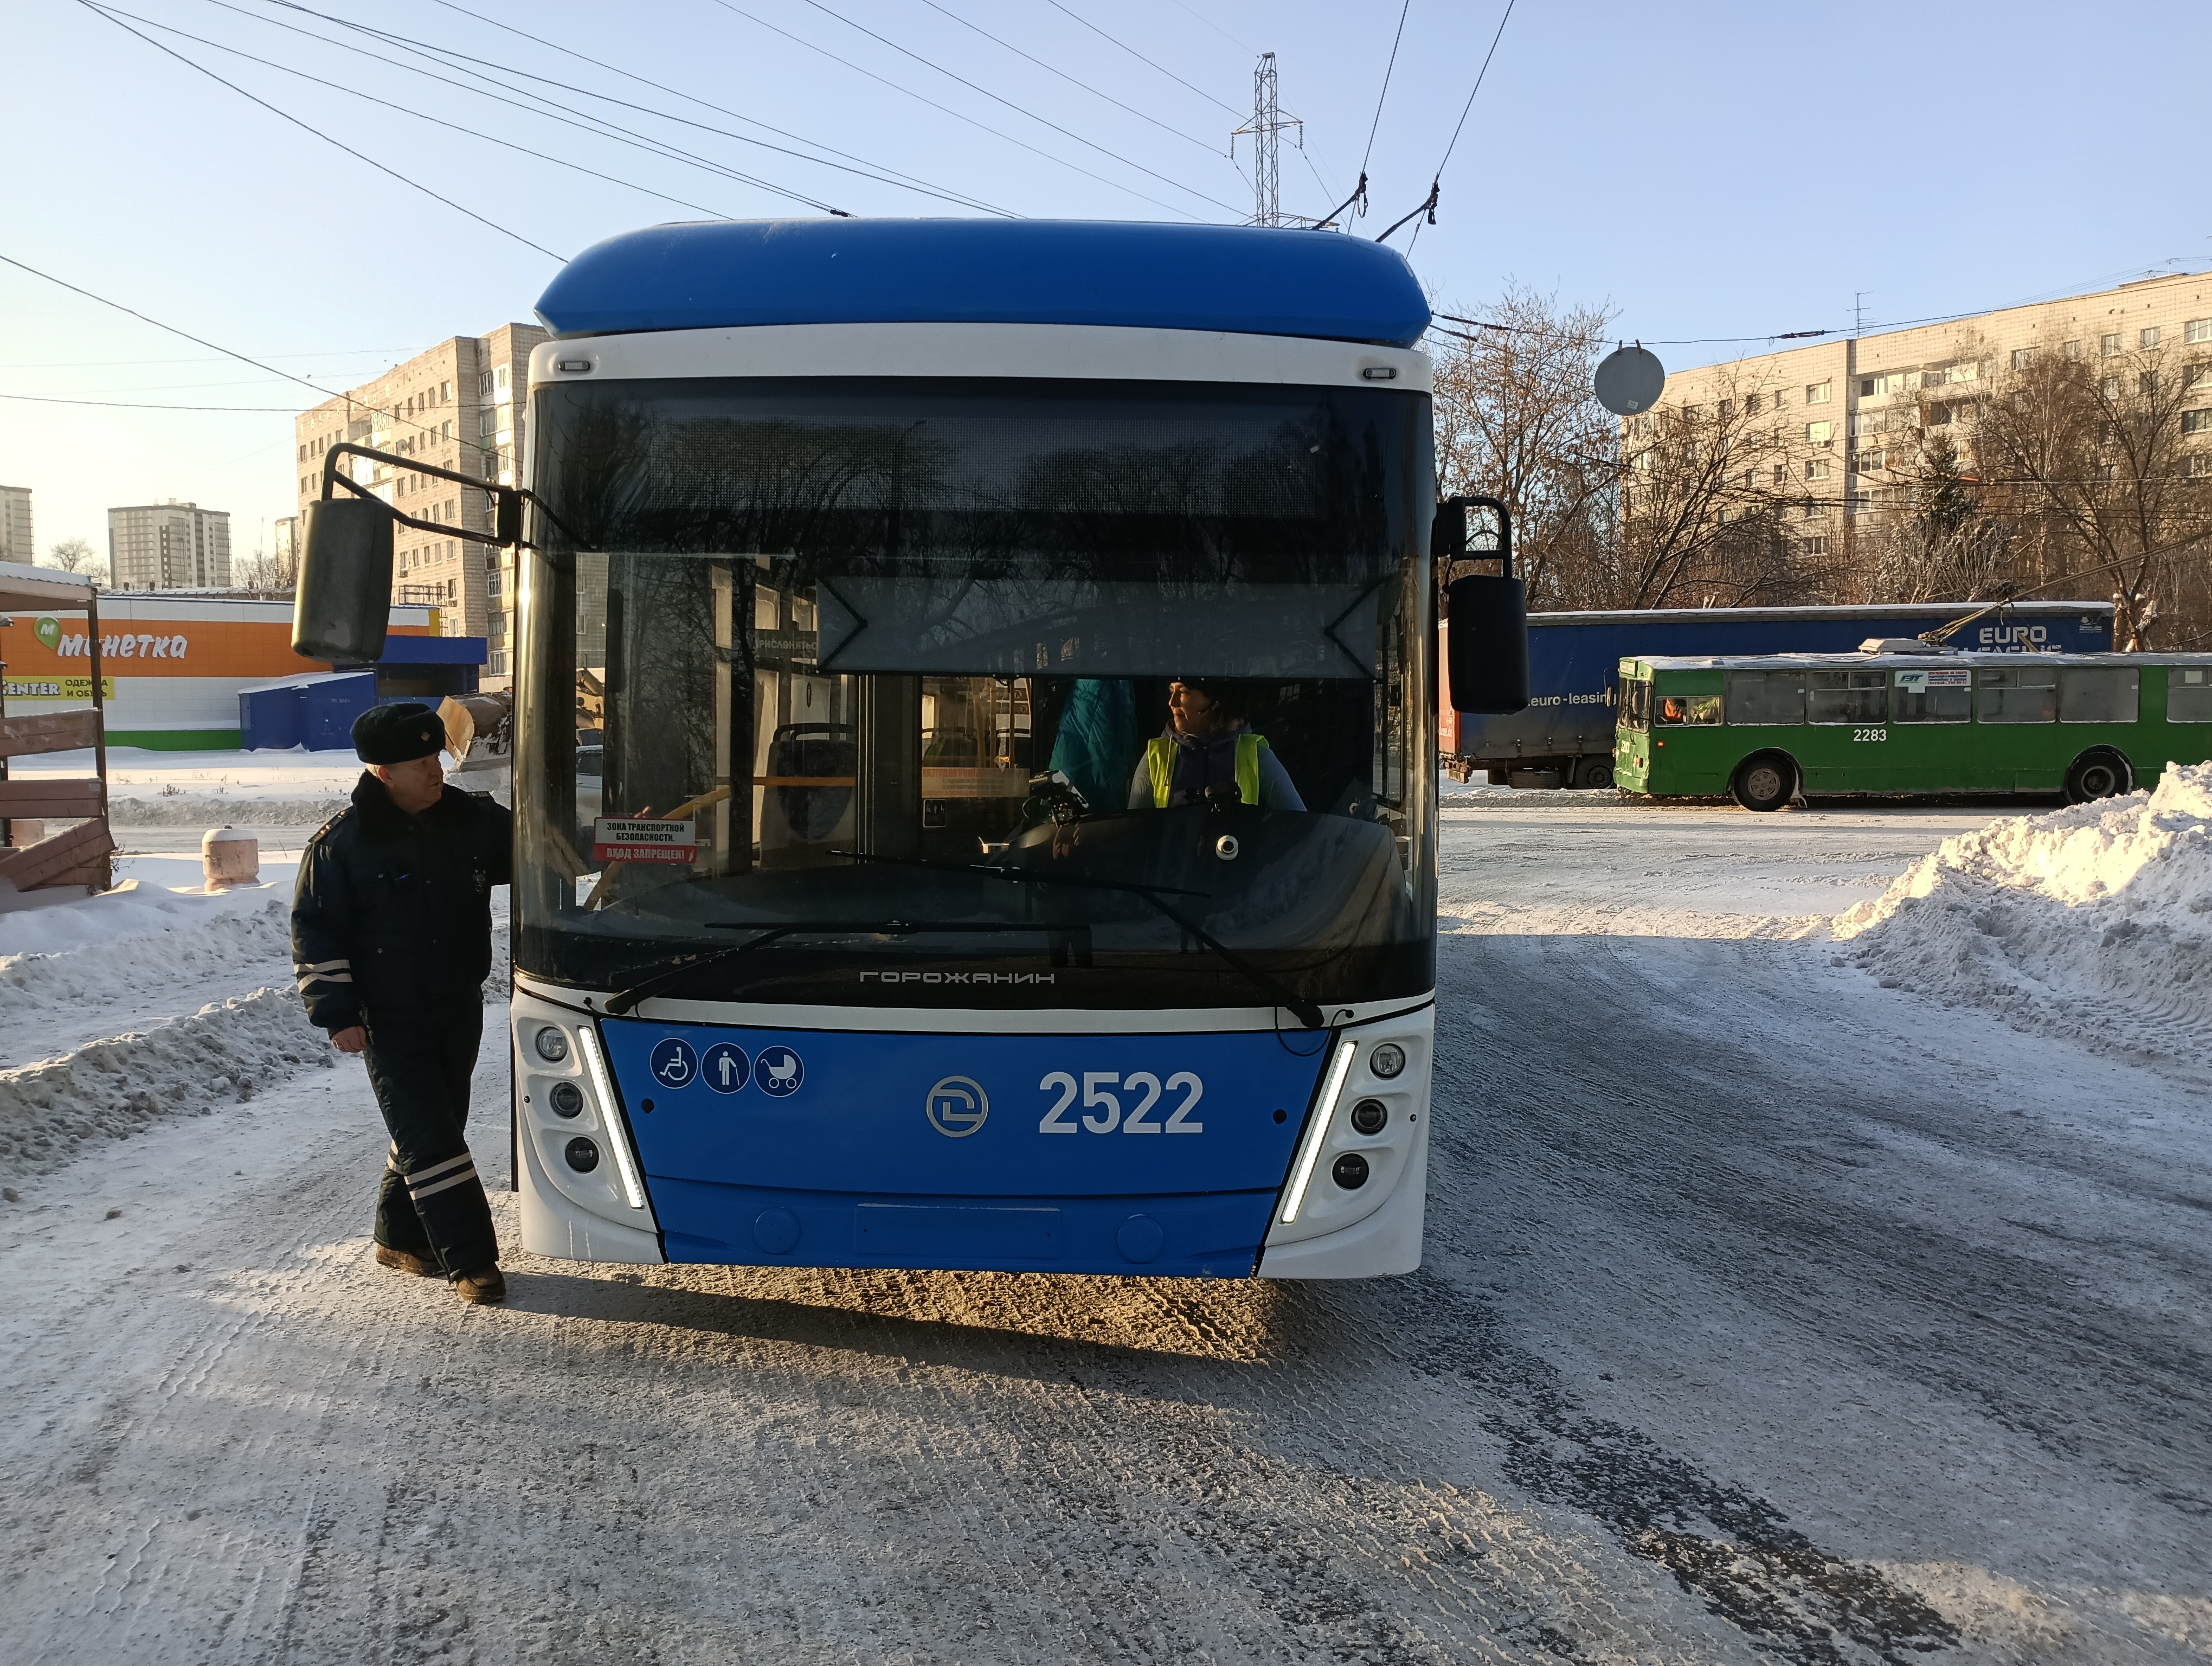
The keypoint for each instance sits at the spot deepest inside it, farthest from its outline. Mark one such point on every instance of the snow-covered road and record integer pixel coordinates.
(1769, 1314)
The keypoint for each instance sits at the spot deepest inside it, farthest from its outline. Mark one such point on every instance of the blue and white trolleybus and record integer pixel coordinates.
(875, 905)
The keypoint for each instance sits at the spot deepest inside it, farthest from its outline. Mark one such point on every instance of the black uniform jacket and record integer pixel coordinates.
(393, 915)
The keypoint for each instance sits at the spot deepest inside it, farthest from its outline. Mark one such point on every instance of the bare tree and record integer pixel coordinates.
(1716, 501)
(258, 571)
(76, 554)
(1514, 419)
(2103, 461)
(1943, 543)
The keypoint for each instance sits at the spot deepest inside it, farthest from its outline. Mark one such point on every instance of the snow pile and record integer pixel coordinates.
(147, 1003)
(199, 810)
(2093, 921)
(220, 1054)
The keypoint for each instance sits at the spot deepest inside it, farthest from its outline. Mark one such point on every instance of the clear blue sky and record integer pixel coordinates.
(1713, 170)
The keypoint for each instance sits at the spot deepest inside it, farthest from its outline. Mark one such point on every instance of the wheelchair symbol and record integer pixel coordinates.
(674, 1064)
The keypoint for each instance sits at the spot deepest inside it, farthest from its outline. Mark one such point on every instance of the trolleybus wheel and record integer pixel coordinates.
(2097, 775)
(1764, 781)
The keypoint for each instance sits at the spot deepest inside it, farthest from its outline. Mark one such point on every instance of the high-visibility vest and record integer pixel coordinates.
(1160, 753)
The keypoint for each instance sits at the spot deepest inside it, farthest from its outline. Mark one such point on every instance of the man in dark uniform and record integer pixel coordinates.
(392, 944)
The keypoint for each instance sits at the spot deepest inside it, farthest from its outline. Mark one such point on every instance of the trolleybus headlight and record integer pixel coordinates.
(583, 1156)
(1386, 1060)
(1324, 1113)
(567, 1099)
(595, 1064)
(1351, 1171)
(1368, 1115)
(552, 1046)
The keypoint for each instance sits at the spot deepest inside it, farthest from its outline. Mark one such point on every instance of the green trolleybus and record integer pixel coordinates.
(1771, 728)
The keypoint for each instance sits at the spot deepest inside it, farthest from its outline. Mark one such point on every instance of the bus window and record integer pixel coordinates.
(975, 762)
(2098, 694)
(1766, 696)
(2017, 693)
(1847, 697)
(2188, 695)
(1941, 693)
(1636, 702)
(1689, 709)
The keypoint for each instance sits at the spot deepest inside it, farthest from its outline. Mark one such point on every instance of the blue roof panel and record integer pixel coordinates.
(1250, 279)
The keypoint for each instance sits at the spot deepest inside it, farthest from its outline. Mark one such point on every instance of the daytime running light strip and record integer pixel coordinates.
(625, 1164)
(1332, 1091)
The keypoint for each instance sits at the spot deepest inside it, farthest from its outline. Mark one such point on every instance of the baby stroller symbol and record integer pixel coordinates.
(779, 1070)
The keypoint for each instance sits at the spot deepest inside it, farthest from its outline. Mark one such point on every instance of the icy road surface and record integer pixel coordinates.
(1769, 1314)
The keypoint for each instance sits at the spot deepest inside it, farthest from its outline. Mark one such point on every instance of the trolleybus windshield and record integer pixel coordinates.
(834, 660)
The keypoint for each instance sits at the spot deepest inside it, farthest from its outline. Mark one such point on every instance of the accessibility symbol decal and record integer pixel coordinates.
(725, 1067)
(674, 1064)
(780, 1071)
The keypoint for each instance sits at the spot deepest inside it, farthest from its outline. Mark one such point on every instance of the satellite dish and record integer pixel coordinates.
(1630, 381)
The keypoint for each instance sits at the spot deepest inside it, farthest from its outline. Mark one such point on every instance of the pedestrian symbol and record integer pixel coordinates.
(725, 1068)
(674, 1064)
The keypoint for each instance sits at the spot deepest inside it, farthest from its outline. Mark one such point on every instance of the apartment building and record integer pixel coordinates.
(457, 406)
(169, 545)
(1847, 417)
(16, 543)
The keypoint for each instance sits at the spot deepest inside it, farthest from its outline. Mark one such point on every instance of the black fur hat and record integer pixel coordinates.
(397, 734)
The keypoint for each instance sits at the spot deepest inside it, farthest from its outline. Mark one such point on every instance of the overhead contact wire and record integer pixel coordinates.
(583, 121)
(880, 172)
(986, 92)
(361, 156)
(1141, 58)
(450, 126)
(923, 98)
(1203, 144)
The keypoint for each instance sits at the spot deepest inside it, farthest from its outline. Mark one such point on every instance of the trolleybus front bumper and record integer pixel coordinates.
(1127, 1150)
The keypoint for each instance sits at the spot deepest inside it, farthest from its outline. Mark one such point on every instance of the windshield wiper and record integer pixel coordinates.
(1308, 1013)
(629, 1000)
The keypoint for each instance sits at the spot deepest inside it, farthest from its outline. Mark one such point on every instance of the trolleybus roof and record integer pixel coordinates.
(1250, 280)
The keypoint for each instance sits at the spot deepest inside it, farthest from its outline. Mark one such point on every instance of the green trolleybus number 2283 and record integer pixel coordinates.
(1769, 729)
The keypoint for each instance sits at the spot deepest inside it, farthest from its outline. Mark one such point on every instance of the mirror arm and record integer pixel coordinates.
(1502, 554)
(517, 494)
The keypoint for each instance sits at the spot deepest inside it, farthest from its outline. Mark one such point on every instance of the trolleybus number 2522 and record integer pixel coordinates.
(1103, 1111)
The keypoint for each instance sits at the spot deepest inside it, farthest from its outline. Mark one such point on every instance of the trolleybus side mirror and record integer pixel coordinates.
(1488, 661)
(343, 603)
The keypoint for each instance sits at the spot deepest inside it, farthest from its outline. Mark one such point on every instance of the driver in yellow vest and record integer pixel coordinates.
(1208, 752)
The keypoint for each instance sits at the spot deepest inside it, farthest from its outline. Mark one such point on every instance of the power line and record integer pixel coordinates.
(544, 107)
(358, 155)
(974, 87)
(1202, 144)
(216, 347)
(1141, 58)
(923, 98)
(128, 404)
(1375, 126)
(101, 364)
(866, 170)
(1436, 183)
(1476, 88)
(454, 127)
